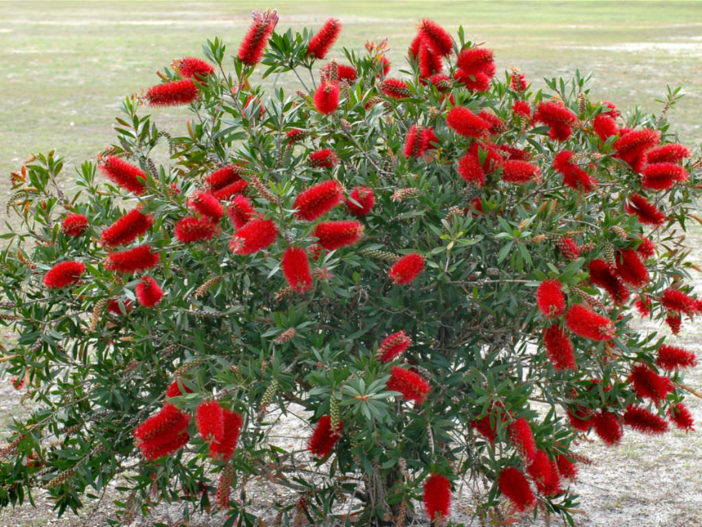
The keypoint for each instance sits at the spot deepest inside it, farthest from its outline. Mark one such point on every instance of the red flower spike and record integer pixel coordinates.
(478, 82)
(522, 438)
(429, 139)
(632, 146)
(175, 391)
(520, 172)
(120, 307)
(429, 62)
(345, 73)
(74, 224)
(64, 274)
(604, 126)
(318, 200)
(256, 39)
(607, 427)
(210, 420)
(464, 122)
(162, 433)
(681, 417)
(395, 88)
(417, 41)
(643, 305)
(360, 202)
(406, 269)
(223, 177)
(559, 348)
(588, 324)
(644, 421)
(671, 357)
(630, 268)
(240, 211)
(207, 205)
(469, 168)
(518, 82)
(393, 346)
(436, 36)
(648, 384)
(573, 176)
(477, 60)
(326, 98)
(296, 269)
(172, 93)
(191, 229)
(257, 234)
(125, 175)
(437, 497)
(515, 487)
(568, 248)
(324, 438)
(496, 124)
(522, 108)
(550, 298)
(130, 260)
(148, 292)
(324, 39)
(127, 229)
(324, 158)
(647, 213)
(580, 419)
(231, 190)
(674, 322)
(152, 450)
(192, 67)
(662, 176)
(490, 153)
(442, 82)
(223, 447)
(677, 301)
(558, 117)
(566, 468)
(670, 153)
(647, 249)
(414, 142)
(545, 474)
(603, 275)
(409, 384)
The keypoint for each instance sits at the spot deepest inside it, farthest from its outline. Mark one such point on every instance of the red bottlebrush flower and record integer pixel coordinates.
(130, 260)
(74, 224)
(632, 147)
(580, 418)
(670, 153)
(485, 428)
(385, 65)
(558, 117)
(64, 274)
(611, 109)
(296, 268)
(496, 124)
(192, 67)
(437, 497)
(417, 41)
(324, 158)
(224, 176)
(470, 169)
(515, 487)
(588, 324)
(647, 249)
(604, 126)
(207, 205)
(545, 474)
(559, 348)
(429, 139)
(324, 438)
(477, 60)
(318, 200)
(550, 298)
(436, 36)
(210, 420)
(518, 82)
(127, 229)
(647, 213)
(522, 438)
(409, 384)
(393, 345)
(233, 189)
(326, 98)
(644, 421)
(429, 61)
(256, 38)
(123, 174)
(360, 202)
(336, 234)
(415, 145)
(442, 82)
(643, 305)
(464, 122)
(492, 158)
(648, 384)
(569, 249)
(677, 301)
(681, 417)
(395, 88)
(295, 135)
(172, 93)
(522, 108)
(603, 275)
(119, 307)
(662, 176)
(573, 176)
(607, 427)
(566, 468)
(158, 432)
(478, 82)
(164, 446)
(223, 447)
(257, 234)
(671, 357)
(191, 229)
(148, 292)
(630, 267)
(240, 211)
(344, 72)
(324, 39)
(520, 172)
(175, 391)
(406, 269)
(674, 322)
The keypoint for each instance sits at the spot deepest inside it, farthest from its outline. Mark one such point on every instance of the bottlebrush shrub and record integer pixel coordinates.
(409, 307)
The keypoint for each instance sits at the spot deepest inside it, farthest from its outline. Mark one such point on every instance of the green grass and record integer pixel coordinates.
(67, 65)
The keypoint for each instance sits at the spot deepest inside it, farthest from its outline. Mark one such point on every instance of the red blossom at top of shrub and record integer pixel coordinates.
(209, 418)
(345, 73)
(670, 153)
(256, 38)
(436, 36)
(477, 60)
(360, 201)
(318, 200)
(515, 487)
(123, 174)
(662, 176)
(324, 438)
(671, 357)
(522, 108)
(326, 98)
(677, 301)
(172, 93)
(437, 497)
(395, 88)
(558, 117)
(74, 224)
(520, 172)
(429, 61)
(207, 205)
(409, 384)
(191, 229)
(296, 269)
(148, 292)
(257, 234)
(406, 269)
(550, 298)
(518, 81)
(588, 324)
(631, 147)
(130, 260)
(127, 228)
(604, 126)
(393, 346)
(224, 176)
(464, 122)
(324, 39)
(223, 447)
(192, 67)
(64, 274)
